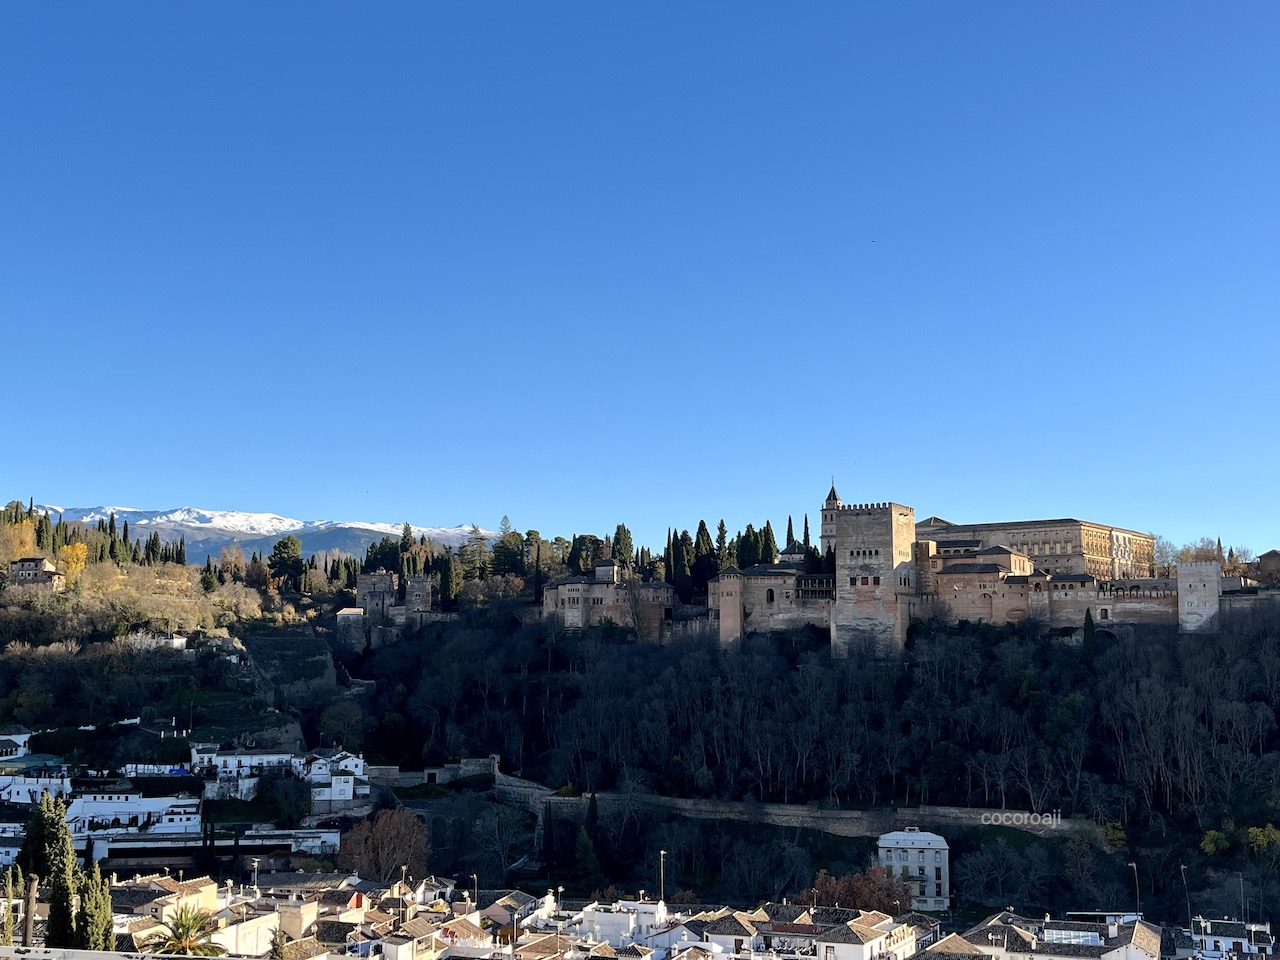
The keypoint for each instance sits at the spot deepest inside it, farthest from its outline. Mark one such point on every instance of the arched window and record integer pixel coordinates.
(768, 595)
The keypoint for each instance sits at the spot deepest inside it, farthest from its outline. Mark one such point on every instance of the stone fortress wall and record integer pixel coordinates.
(889, 569)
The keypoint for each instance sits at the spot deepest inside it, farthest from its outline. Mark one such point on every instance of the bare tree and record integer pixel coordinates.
(377, 849)
(503, 831)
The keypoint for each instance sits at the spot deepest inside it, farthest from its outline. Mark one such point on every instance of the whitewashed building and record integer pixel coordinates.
(923, 861)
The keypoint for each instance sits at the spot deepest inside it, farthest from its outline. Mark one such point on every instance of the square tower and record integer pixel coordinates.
(875, 587)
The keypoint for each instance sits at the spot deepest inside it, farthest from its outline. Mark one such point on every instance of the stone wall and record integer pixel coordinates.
(839, 823)
(1199, 595)
(875, 573)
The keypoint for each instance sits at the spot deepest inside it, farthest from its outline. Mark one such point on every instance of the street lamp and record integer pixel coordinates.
(255, 863)
(1137, 890)
(662, 875)
(475, 904)
(404, 904)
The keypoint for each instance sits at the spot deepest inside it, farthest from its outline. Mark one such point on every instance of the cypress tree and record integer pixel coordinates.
(622, 545)
(93, 919)
(6, 922)
(548, 835)
(791, 533)
(61, 930)
(806, 533)
(768, 545)
(1089, 648)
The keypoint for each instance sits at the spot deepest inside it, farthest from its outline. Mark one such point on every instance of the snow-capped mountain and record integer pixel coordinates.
(208, 531)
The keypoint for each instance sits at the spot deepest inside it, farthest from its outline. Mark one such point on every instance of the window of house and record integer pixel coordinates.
(864, 581)
(875, 581)
(768, 596)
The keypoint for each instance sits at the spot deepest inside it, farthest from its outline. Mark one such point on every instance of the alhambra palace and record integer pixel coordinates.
(890, 568)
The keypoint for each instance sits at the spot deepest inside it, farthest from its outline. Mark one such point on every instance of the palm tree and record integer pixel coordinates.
(188, 933)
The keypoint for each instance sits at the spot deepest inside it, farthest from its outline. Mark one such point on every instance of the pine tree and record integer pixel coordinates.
(278, 942)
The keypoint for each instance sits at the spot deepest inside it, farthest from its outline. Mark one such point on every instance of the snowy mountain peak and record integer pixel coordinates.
(207, 531)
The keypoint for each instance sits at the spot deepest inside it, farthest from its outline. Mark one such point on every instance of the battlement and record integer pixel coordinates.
(867, 507)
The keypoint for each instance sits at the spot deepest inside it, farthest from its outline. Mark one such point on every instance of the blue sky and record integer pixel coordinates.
(589, 263)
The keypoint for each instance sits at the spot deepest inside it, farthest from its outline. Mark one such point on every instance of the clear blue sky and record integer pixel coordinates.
(583, 263)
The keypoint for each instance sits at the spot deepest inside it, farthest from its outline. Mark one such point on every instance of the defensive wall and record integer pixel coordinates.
(535, 798)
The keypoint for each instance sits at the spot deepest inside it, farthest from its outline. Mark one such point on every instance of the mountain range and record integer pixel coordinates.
(208, 531)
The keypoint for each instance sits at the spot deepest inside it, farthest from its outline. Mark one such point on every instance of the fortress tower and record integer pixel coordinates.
(875, 581)
(1199, 594)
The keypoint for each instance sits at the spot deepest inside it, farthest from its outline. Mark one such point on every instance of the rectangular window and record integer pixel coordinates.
(875, 581)
(937, 873)
(864, 581)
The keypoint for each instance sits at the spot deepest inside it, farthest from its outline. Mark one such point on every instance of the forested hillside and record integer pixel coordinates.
(1168, 741)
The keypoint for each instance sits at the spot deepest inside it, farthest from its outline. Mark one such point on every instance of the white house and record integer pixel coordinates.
(623, 922)
(923, 861)
(1008, 936)
(1215, 939)
(871, 936)
(113, 806)
(27, 790)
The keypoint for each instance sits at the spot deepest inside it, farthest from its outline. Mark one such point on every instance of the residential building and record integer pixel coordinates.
(923, 861)
(36, 572)
(1007, 936)
(1222, 939)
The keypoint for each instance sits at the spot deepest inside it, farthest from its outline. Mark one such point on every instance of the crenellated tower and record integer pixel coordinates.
(875, 580)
